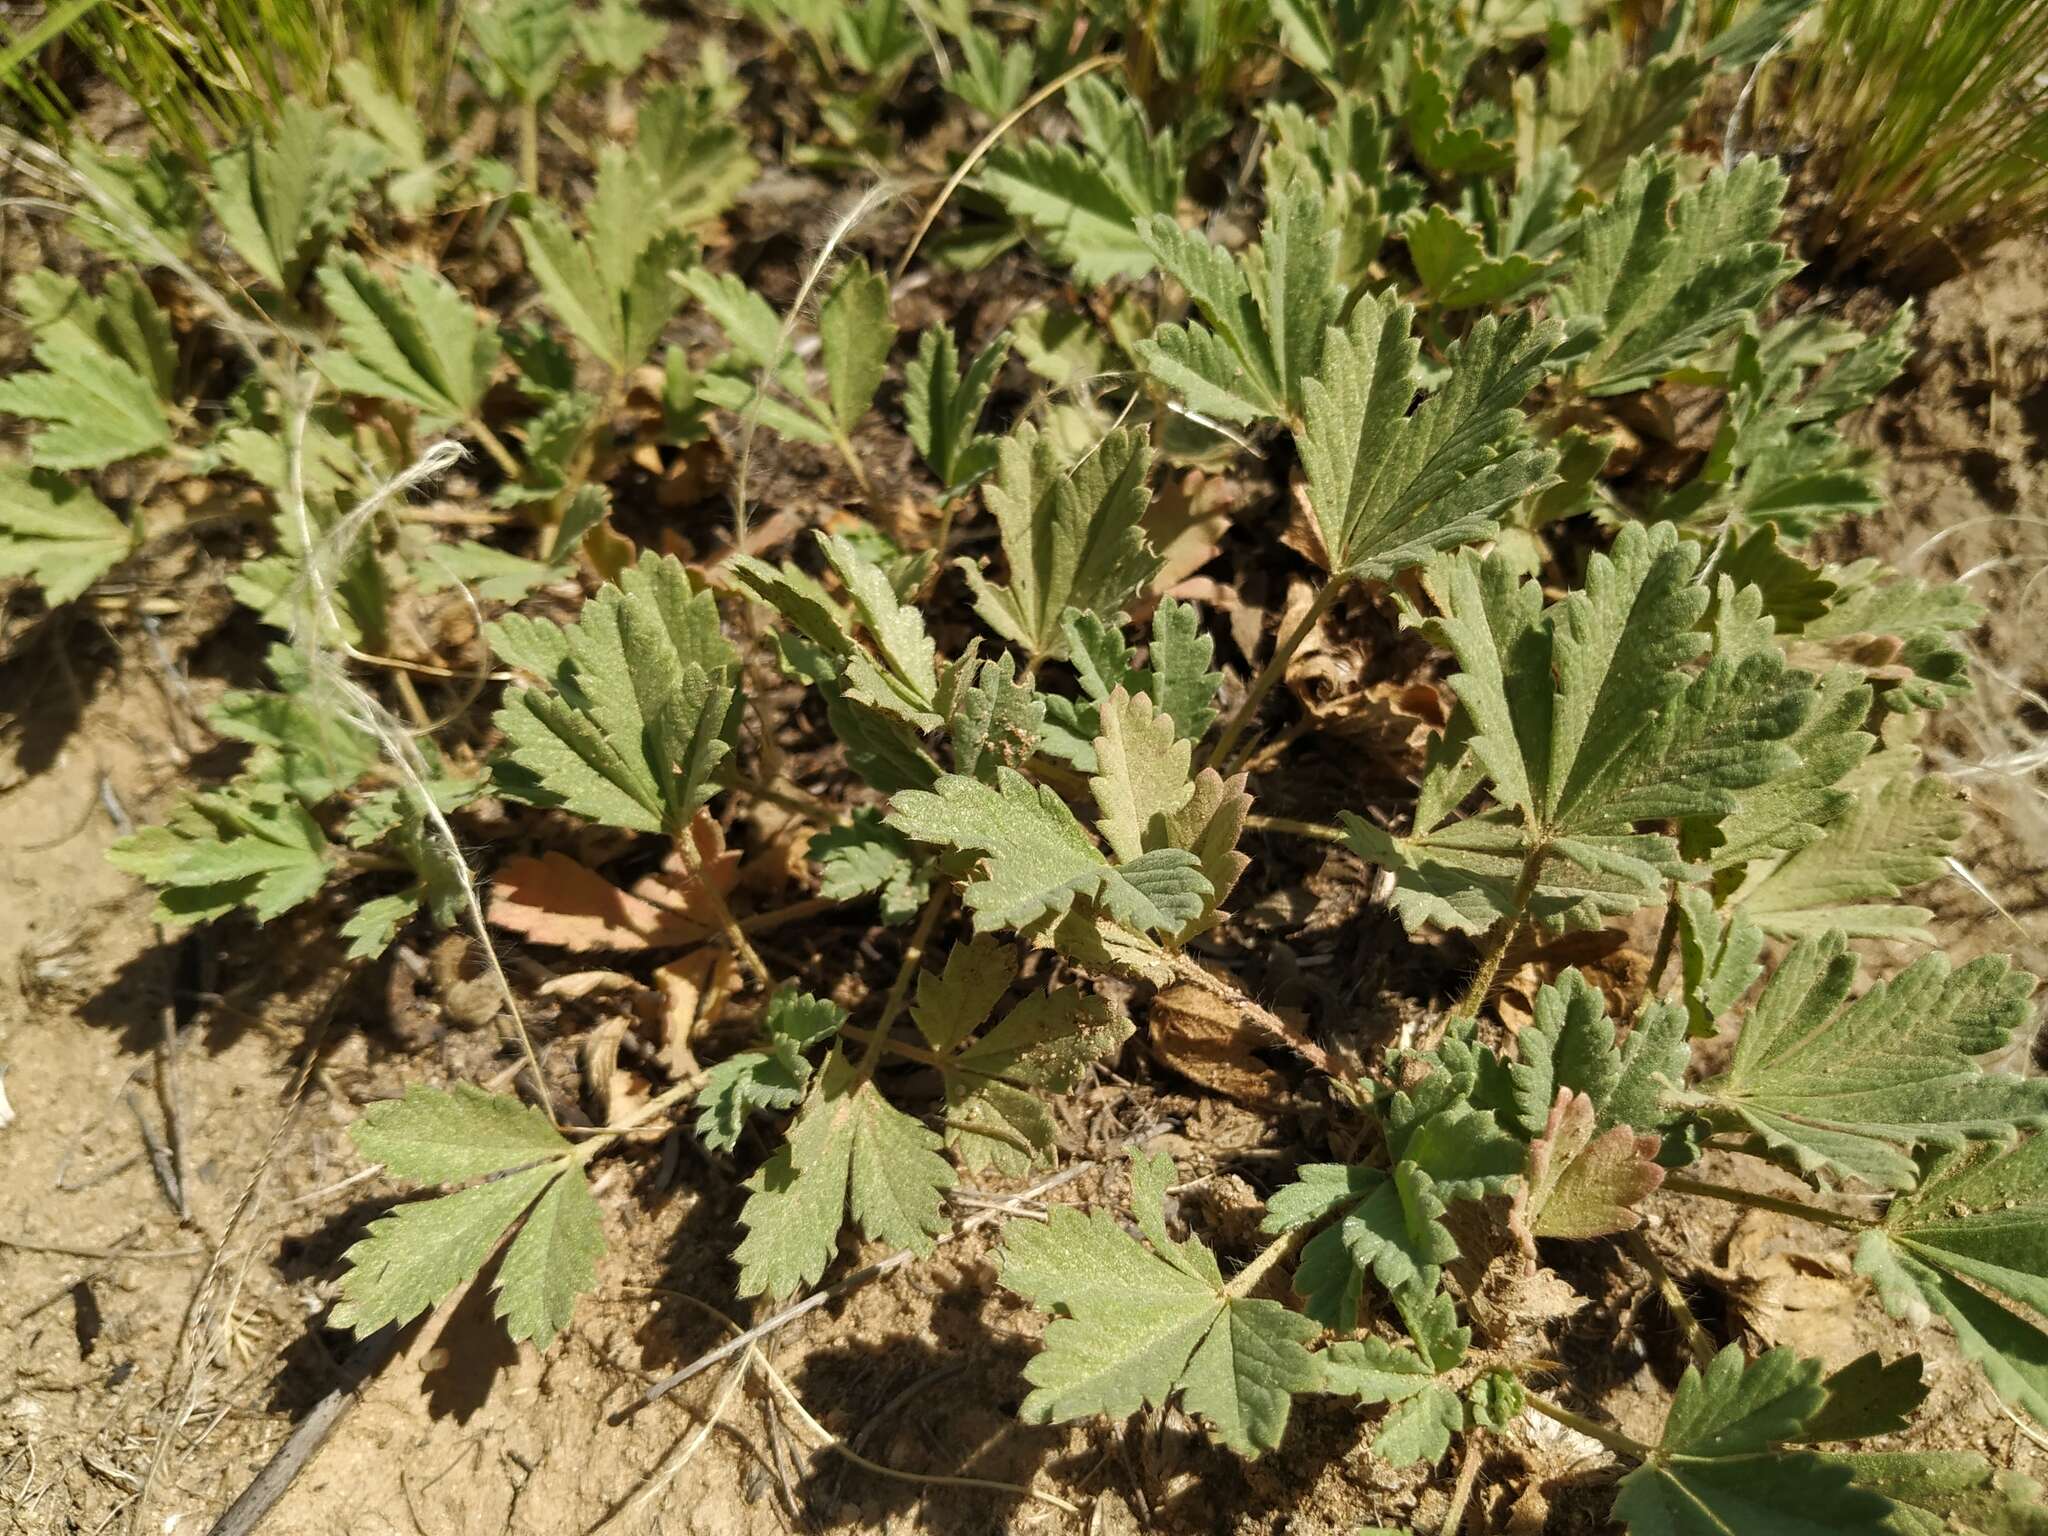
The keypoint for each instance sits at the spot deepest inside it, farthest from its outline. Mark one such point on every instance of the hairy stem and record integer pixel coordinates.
(1322, 832)
(1503, 938)
(1279, 1251)
(899, 989)
(1698, 1342)
(1275, 669)
(735, 936)
(1613, 1439)
(660, 1104)
(529, 146)
(494, 446)
(1667, 939)
(1678, 1184)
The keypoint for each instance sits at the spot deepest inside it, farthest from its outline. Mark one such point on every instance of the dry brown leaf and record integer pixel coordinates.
(555, 900)
(694, 988)
(588, 984)
(676, 889)
(1186, 522)
(1204, 1037)
(611, 1090)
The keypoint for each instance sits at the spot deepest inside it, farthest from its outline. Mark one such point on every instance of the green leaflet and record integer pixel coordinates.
(56, 533)
(997, 1081)
(697, 154)
(1976, 1223)
(1391, 486)
(1267, 315)
(630, 745)
(1836, 1088)
(419, 1253)
(252, 845)
(1585, 720)
(942, 405)
(109, 371)
(850, 1155)
(1134, 1324)
(1083, 205)
(1570, 1046)
(1716, 1467)
(1893, 833)
(281, 198)
(1949, 1493)
(1658, 275)
(421, 343)
(1176, 678)
(771, 1077)
(1070, 535)
(864, 856)
(855, 333)
(1451, 258)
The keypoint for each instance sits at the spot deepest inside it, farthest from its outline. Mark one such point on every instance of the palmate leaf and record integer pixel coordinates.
(1268, 314)
(1389, 1225)
(1083, 204)
(1390, 485)
(1718, 1466)
(772, 1076)
(1135, 1324)
(421, 343)
(997, 1081)
(613, 285)
(421, 1252)
(639, 707)
(1973, 1231)
(109, 371)
(1070, 535)
(1841, 1089)
(1658, 275)
(252, 845)
(942, 406)
(57, 533)
(525, 44)
(1586, 722)
(1038, 861)
(282, 196)
(849, 1151)
(1441, 1147)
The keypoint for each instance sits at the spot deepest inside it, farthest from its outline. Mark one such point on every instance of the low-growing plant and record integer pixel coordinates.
(1481, 261)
